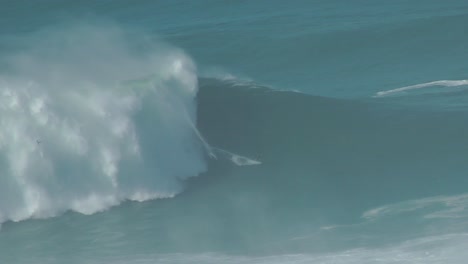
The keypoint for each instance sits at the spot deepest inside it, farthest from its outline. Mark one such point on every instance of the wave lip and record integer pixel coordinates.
(91, 117)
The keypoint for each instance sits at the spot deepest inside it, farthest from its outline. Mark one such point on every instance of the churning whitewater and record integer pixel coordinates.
(277, 132)
(92, 116)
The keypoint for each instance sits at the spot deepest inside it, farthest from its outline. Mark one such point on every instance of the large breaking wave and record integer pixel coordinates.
(91, 115)
(338, 181)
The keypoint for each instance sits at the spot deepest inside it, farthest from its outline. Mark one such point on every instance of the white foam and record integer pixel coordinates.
(445, 207)
(442, 249)
(101, 142)
(443, 83)
(237, 159)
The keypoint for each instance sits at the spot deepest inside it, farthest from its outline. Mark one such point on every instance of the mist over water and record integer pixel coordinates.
(276, 132)
(77, 133)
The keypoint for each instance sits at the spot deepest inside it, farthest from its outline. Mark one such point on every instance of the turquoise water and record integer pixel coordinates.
(233, 132)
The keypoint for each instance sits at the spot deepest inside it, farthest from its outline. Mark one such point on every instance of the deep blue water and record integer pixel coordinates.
(233, 131)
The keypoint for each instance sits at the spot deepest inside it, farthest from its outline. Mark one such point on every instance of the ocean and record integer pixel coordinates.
(215, 131)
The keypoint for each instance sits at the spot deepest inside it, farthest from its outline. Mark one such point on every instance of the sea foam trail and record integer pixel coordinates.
(443, 83)
(89, 117)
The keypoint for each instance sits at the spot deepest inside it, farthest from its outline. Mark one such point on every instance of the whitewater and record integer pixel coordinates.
(241, 132)
(75, 137)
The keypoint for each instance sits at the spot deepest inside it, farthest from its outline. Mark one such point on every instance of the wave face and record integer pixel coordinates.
(92, 115)
(362, 145)
(326, 163)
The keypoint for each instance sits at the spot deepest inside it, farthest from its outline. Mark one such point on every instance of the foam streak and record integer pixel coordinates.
(443, 83)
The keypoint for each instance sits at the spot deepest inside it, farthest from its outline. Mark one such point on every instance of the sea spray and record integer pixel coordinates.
(75, 135)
